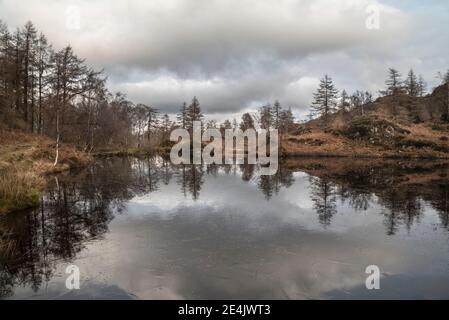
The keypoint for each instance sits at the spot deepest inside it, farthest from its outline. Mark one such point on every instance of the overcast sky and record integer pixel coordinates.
(236, 55)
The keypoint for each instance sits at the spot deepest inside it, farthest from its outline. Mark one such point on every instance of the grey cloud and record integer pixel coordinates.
(235, 55)
(207, 36)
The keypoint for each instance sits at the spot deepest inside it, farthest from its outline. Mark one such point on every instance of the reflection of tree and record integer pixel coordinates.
(67, 218)
(75, 209)
(439, 198)
(166, 171)
(359, 201)
(182, 179)
(190, 178)
(271, 185)
(402, 189)
(78, 207)
(356, 189)
(402, 206)
(324, 197)
(212, 169)
(195, 180)
(152, 183)
(247, 171)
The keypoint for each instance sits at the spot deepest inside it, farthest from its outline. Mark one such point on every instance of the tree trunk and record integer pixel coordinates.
(40, 119)
(57, 138)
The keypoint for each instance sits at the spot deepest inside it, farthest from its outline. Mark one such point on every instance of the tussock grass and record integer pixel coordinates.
(19, 189)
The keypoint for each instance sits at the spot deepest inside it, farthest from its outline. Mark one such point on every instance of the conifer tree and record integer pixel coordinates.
(411, 84)
(193, 113)
(394, 83)
(325, 99)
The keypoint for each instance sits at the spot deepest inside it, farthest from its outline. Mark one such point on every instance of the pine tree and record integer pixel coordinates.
(394, 83)
(411, 84)
(182, 116)
(193, 113)
(266, 117)
(166, 127)
(6, 70)
(325, 98)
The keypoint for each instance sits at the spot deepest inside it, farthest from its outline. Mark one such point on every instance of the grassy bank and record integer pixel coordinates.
(25, 161)
(418, 142)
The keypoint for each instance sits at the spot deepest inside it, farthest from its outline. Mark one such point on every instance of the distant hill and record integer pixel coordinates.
(391, 126)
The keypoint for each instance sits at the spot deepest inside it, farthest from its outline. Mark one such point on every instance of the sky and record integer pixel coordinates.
(237, 55)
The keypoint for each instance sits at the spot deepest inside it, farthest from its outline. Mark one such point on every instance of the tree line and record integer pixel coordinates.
(327, 99)
(55, 93)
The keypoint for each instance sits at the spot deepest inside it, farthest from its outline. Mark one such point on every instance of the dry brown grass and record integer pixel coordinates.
(318, 143)
(19, 189)
(412, 140)
(25, 159)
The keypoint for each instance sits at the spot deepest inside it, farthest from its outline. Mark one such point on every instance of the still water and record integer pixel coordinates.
(144, 229)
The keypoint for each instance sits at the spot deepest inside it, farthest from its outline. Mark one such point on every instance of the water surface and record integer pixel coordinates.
(144, 229)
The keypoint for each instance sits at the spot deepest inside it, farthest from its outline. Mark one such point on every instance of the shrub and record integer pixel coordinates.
(377, 131)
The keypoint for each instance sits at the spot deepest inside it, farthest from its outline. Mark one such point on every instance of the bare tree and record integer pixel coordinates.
(182, 116)
(70, 79)
(422, 86)
(345, 103)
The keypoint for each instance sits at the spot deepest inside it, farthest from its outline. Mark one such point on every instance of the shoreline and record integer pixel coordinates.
(26, 161)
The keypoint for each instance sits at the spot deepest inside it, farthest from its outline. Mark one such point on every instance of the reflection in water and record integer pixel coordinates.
(78, 208)
(324, 197)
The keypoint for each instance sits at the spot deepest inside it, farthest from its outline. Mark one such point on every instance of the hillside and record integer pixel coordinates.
(392, 126)
(25, 160)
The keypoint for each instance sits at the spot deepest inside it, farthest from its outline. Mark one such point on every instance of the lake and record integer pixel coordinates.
(141, 228)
